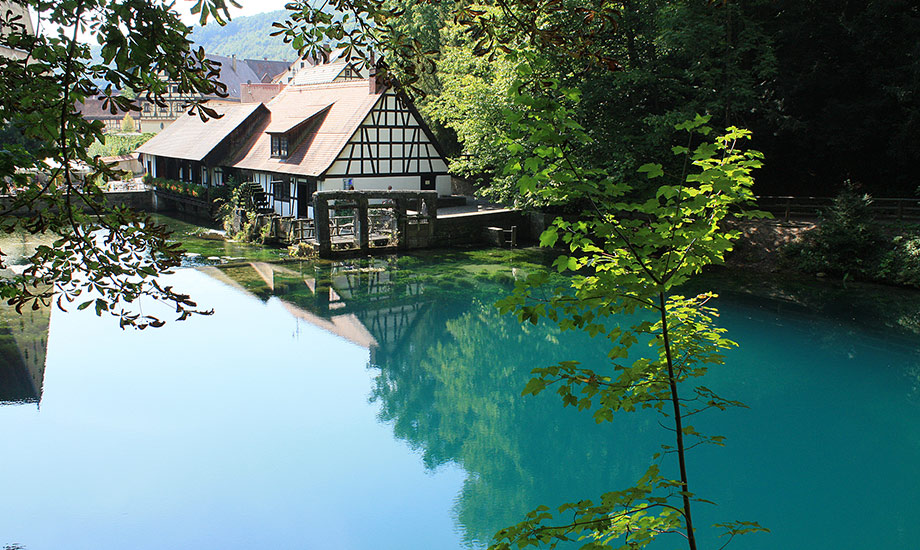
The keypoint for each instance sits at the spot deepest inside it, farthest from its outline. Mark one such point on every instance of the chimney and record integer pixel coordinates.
(233, 57)
(375, 82)
(372, 80)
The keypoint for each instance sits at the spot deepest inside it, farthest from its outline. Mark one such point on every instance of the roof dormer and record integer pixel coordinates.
(287, 131)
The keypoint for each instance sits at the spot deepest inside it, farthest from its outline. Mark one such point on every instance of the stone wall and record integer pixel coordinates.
(168, 201)
(473, 229)
(138, 200)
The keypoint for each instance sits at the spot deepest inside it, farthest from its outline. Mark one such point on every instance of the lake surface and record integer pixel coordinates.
(377, 406)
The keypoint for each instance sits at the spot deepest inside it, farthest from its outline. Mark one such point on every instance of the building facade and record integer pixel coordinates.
(16, 20)
(347, 134)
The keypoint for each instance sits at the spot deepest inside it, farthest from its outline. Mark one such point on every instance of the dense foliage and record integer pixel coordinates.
(113, 145)
(828, 88)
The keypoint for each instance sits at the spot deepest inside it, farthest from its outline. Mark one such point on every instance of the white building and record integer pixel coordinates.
(347, 134)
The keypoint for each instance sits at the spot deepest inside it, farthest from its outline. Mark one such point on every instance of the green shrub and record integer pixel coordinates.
(847, 242)
(222, 194)
(116, 145)
(901, 261)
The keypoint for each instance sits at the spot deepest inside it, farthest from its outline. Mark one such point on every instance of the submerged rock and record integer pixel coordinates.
(213, 235)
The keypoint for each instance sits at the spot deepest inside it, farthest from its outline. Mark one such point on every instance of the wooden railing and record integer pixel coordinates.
(811, 207)
(302, 229)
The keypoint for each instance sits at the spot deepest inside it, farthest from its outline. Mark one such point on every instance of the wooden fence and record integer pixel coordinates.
(811, 207)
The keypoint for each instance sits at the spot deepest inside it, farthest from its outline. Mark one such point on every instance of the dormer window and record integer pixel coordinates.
(280, 146)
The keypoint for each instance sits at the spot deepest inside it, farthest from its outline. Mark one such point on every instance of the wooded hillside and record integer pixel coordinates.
(245, 37)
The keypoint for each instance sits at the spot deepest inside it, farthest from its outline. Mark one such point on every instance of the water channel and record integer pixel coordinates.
(376, 405)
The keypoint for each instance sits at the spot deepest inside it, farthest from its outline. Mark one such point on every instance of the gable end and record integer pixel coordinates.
(392, 140)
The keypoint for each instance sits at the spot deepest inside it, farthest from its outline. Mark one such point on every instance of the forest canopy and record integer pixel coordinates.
(829, 88)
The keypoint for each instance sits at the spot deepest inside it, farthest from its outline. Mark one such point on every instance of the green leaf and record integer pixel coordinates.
(652, 170)
(549, 237)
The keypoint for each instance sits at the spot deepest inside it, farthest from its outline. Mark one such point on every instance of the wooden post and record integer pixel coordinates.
(321, 212)
(402, 223)
(431, 205)
(362, 229)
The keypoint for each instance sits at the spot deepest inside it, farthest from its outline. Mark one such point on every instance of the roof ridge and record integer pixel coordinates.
(340, 84)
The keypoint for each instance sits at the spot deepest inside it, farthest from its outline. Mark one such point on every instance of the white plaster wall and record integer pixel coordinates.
(381, 145)
(153, 126)
(442, 185)
(399, 183)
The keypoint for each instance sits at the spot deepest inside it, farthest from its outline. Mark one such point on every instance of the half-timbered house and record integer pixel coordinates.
(347, 134)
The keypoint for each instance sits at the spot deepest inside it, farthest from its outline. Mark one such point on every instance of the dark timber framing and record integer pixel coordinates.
(418, 148)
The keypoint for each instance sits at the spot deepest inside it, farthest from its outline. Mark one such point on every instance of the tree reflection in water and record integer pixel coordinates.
(450, 371)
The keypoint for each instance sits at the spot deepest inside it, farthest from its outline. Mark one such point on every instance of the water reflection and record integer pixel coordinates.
(449, 372)
(235, 433)
(23, 346)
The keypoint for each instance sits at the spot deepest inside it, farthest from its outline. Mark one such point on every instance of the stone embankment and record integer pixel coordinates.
(138, 200)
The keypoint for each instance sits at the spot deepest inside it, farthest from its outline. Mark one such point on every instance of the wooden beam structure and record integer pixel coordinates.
(415, 212)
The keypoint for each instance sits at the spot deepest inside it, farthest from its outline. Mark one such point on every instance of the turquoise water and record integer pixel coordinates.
(21, 244)
(378, 406)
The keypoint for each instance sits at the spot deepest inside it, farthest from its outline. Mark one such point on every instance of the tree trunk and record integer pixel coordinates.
(678, 424)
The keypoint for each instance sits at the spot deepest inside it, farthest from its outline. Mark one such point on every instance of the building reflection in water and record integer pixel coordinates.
(370, 305)
(23, 346)
(448, 373)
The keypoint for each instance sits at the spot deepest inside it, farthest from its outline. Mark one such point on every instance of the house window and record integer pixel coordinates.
(281, 190)
(280, 146)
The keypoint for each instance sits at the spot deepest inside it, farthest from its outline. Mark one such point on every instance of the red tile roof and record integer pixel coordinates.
(189, 138)
(259, 93)
(283, 124)
(350, 103)
(330, 112)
